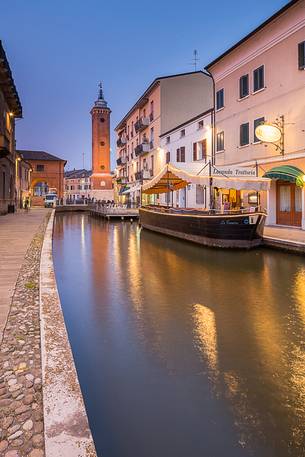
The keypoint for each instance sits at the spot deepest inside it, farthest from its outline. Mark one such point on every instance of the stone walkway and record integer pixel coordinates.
(16, 234)
(288, 238)
(21, 403)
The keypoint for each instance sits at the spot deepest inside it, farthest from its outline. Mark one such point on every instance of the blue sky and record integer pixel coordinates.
(59, 51)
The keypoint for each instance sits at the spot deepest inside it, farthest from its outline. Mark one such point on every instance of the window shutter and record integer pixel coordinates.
(301, 55)
(178, 155)
(194, 151)
(182, 154)
(204, 149)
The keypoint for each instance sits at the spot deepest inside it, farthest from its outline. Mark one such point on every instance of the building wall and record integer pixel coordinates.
(184, 97)
(195, 132)
(76, 188)
(53, 175)
(7, 164)
(23, 181)
(275, 47)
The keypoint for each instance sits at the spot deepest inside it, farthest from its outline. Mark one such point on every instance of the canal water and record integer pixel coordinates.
(183, 351)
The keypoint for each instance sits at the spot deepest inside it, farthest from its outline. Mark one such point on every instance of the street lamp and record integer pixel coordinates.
(272, 133)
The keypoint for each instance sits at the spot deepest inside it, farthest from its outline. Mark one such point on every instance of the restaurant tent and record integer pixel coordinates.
(171, 178)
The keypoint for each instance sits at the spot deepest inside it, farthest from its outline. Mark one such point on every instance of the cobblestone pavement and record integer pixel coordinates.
(21, 408)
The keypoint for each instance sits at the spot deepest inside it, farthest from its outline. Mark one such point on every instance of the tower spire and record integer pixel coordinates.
(101, 102)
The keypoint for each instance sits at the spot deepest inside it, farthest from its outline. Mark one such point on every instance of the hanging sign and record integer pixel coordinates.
(234, 172)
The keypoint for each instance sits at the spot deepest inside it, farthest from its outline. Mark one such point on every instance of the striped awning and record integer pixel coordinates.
(287, 173)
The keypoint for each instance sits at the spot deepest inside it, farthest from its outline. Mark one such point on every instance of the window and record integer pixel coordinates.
(258, 79)
(182, 133)
(168, 156)
(102, 119)
(257, 122)
(220, 99)
(301, 47)
(152, 137)
(200, 125)
(131, 133)
(220, 141)
(244, 86)
(151, 116)
(181, 154)
(244, 134)
(168, 139)
(39, 167)
(199, 194)
(200, 150)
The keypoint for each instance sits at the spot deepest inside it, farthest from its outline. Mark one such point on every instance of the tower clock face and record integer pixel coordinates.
(102, 167)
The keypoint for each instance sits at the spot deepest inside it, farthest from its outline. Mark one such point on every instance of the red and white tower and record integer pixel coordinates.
(101, 180)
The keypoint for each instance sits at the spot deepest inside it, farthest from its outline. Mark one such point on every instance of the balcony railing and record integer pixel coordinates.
(141, 124)
(141, 149)
(121, 142)
(121, 161)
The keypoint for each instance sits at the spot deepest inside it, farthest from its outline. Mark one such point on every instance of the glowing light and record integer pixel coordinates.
(11, 114)
(268, 133)
(303, 177)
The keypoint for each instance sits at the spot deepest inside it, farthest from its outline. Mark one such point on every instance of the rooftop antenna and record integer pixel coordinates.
(83, 154)
(195, 59)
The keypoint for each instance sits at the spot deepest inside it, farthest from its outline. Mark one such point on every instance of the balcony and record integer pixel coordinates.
(121, 142)
(121, 161)
(141, 149)
(141, 124)
(122, 180)
(147, 174)
(138, 176)
(4, 146)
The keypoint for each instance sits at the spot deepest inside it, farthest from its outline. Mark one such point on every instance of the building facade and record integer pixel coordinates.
(262, 80)
(77, 185)
(22, 181)
(167, 103)
(47, 173)
(188, 147)
(10, 109)
(101, 179)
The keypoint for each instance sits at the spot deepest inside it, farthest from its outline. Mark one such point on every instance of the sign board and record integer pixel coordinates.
(234, 172)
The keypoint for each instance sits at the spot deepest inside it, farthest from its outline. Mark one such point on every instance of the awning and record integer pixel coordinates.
(287, 173)
(130, 190)
(171, 178)
(124, 190)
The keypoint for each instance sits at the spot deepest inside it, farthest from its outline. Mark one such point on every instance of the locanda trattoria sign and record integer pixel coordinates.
(234, 172)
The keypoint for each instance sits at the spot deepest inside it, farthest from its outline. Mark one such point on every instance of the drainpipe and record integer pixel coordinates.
(213, 116)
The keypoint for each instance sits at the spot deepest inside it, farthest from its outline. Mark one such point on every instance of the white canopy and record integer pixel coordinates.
(172, 178)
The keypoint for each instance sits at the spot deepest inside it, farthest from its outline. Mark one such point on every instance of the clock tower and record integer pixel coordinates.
(101, 180)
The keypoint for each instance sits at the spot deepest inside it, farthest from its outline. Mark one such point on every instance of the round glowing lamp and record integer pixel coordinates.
(268, 133)
(303, 177)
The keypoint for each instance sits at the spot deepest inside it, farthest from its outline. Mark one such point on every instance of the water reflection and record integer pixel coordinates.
(182, 350)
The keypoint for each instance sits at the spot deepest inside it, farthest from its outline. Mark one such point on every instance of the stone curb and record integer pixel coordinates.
(66, 427)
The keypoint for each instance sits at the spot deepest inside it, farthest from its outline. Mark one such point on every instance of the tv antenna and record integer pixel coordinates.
(83, 154)
(195, 59)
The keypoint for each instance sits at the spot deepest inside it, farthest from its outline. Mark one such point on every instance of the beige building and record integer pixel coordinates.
(167, 103)
(261, 80)
(22, 180)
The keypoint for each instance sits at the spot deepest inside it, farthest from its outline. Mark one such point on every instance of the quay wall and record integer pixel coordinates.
(67, 431)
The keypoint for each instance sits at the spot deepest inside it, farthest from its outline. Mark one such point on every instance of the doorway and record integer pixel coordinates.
(288, 204)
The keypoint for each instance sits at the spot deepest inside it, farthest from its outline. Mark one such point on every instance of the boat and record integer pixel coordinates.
(241, 228)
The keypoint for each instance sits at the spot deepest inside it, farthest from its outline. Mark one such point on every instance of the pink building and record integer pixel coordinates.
(167, 103)
(261, 79)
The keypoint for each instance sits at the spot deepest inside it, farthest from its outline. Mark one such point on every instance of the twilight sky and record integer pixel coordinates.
(59, 50)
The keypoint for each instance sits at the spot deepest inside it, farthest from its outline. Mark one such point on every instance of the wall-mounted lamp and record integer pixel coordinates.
(272, 133)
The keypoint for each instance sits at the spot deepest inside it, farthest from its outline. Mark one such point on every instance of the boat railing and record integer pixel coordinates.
(194, 211)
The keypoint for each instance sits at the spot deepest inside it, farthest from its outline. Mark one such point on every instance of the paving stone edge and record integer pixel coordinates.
(66, 427)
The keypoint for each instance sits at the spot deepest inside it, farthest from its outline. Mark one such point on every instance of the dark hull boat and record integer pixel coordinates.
(233, 230)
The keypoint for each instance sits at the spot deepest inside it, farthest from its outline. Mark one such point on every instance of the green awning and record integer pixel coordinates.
(287, 173)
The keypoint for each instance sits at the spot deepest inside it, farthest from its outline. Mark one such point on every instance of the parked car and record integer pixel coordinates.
(50, 200)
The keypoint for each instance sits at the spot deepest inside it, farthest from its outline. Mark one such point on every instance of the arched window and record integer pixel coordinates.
(41, 189)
